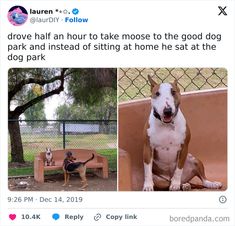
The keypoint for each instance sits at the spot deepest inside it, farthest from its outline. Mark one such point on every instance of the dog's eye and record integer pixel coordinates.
(173, 92)
(157, 94)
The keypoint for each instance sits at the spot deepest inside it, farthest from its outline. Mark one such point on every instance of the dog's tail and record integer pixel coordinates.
(84, 163)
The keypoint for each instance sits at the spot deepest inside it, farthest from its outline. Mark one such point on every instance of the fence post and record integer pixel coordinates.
(63, 134)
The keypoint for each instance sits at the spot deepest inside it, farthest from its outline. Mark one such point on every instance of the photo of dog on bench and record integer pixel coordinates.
(62, 127)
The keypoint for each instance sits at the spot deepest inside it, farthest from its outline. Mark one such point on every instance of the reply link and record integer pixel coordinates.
(34, 20)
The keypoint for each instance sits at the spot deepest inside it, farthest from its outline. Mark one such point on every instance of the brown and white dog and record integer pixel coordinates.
(166, 139)
(70, 166)
(49, 158)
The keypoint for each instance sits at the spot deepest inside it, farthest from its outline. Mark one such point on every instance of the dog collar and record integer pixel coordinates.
(176, 110)
(156, 115)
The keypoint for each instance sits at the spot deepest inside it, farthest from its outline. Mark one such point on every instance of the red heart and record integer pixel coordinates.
(12, 216)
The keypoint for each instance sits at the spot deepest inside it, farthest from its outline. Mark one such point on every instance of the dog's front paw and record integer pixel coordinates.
(217, 185)
(148, 186)
(174, 186)
(212, 184)
(84, 186)
(186, 187)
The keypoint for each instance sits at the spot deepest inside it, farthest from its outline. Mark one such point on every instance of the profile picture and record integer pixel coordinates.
(17, 15)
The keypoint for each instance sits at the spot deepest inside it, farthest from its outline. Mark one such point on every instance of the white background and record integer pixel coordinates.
(126, 17)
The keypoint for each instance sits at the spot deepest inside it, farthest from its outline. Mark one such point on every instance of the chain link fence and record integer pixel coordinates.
(133, 82)
(37, 135)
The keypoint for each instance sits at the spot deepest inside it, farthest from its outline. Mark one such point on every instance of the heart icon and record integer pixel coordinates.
(12, 216)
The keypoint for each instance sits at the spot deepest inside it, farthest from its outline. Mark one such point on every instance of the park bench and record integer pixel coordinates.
(99, 164)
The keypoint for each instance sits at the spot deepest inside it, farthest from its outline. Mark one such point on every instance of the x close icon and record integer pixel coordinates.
(222, 10)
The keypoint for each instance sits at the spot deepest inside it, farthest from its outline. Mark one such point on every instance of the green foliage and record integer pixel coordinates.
(86, 87)
(94, 95)
(18, 75)
(105, 109)
(89, 85)
(36, 111)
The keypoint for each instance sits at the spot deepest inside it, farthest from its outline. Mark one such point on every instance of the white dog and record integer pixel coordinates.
(166, 139)
(49, 158)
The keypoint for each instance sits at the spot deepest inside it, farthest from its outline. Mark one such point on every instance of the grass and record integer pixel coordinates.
(20, 171)
(105, 144)
(35, 143)
(111, 154)
(133, 83)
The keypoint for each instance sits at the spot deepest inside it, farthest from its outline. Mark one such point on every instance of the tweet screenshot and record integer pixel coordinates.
(117, 112)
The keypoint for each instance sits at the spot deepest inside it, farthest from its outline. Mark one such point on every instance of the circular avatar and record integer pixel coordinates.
(17, 15)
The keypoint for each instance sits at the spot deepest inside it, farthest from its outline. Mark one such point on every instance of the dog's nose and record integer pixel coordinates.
(167, 111)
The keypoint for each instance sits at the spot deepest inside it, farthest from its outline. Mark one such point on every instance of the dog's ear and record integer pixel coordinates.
(152, 82)
(176, 85)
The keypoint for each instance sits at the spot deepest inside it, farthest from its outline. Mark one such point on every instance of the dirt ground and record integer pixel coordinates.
(55, 182)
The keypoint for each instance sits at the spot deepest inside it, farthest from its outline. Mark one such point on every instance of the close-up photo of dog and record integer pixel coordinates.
(172, 134)
(70, 165)
(166, 140)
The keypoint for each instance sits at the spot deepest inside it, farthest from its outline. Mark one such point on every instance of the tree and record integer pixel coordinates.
(84, 112)
(36, 111)
(94, 84)
(105, 108)
(18, 86)
(52, 81)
